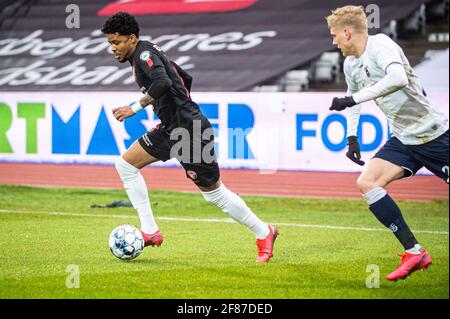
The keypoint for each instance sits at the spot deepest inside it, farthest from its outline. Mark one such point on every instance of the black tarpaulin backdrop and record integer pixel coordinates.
(224, 51)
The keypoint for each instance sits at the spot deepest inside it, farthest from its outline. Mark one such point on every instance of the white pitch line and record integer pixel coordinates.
(212, 220)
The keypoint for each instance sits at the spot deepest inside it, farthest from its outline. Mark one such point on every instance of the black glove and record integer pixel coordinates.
(354, 152)
(340, 104)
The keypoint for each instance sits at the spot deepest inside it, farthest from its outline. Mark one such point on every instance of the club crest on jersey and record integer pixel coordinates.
(145, 56)
(366, 68)
(192, 175)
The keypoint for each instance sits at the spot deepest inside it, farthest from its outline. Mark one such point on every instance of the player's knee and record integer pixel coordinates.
(125, 169)
(211, 197)
(366, 184)
(215, 197)
(118, 164)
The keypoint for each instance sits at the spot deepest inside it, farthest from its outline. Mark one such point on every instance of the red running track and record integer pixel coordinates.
(244, 182)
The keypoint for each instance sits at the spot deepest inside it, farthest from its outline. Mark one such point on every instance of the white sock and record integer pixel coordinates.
(236, 208)
(374, 195)
(415, 250)
(135, 186)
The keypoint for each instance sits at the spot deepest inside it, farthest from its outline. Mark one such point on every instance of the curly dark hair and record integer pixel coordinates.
(122, 23)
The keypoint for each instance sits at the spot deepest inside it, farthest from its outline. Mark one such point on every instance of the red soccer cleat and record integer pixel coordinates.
(154, 239)
(409, 264)
(265, 246)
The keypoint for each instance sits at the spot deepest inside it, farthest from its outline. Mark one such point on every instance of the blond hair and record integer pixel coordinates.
(352, 16)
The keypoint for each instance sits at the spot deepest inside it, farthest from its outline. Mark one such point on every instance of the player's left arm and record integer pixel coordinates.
(153, 68)
(151, 64)
(388, 59)
(394, 80)
(340, 104)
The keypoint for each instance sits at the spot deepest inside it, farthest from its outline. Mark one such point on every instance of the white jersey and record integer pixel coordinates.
(411, 117)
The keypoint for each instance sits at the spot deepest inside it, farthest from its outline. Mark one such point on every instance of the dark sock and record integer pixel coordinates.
(389, 214)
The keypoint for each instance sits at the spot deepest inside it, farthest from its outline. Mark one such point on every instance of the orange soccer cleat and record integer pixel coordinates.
(409, 264)
(265, 246)
(154, 239)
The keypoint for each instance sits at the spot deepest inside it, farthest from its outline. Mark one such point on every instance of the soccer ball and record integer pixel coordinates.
(126, 242)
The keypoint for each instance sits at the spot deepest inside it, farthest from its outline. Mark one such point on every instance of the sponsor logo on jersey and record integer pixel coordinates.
(366, 68)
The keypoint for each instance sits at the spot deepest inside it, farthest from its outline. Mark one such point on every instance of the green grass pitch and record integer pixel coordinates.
(44, 231)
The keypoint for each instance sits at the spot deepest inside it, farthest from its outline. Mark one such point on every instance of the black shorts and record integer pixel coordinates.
(432, 155)
(195, 151)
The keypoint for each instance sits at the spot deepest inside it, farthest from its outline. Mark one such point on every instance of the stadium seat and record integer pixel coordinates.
(295, 81)
(417, 21)
(439, 9)
(267, 88)
(391, 30)
(326, 68)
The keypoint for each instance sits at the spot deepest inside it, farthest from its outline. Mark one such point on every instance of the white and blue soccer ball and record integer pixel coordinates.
(126, 242)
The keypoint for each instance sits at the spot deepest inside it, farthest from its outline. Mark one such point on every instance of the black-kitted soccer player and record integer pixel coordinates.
(167, 88)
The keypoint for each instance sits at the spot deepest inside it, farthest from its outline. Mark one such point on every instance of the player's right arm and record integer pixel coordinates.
(340, 104)
(123, 112)
(352, 114)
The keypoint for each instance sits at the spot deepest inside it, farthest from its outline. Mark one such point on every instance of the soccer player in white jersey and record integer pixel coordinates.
(377, 69)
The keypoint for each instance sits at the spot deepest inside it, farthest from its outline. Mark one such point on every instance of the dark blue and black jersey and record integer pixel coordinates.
(167, 83)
